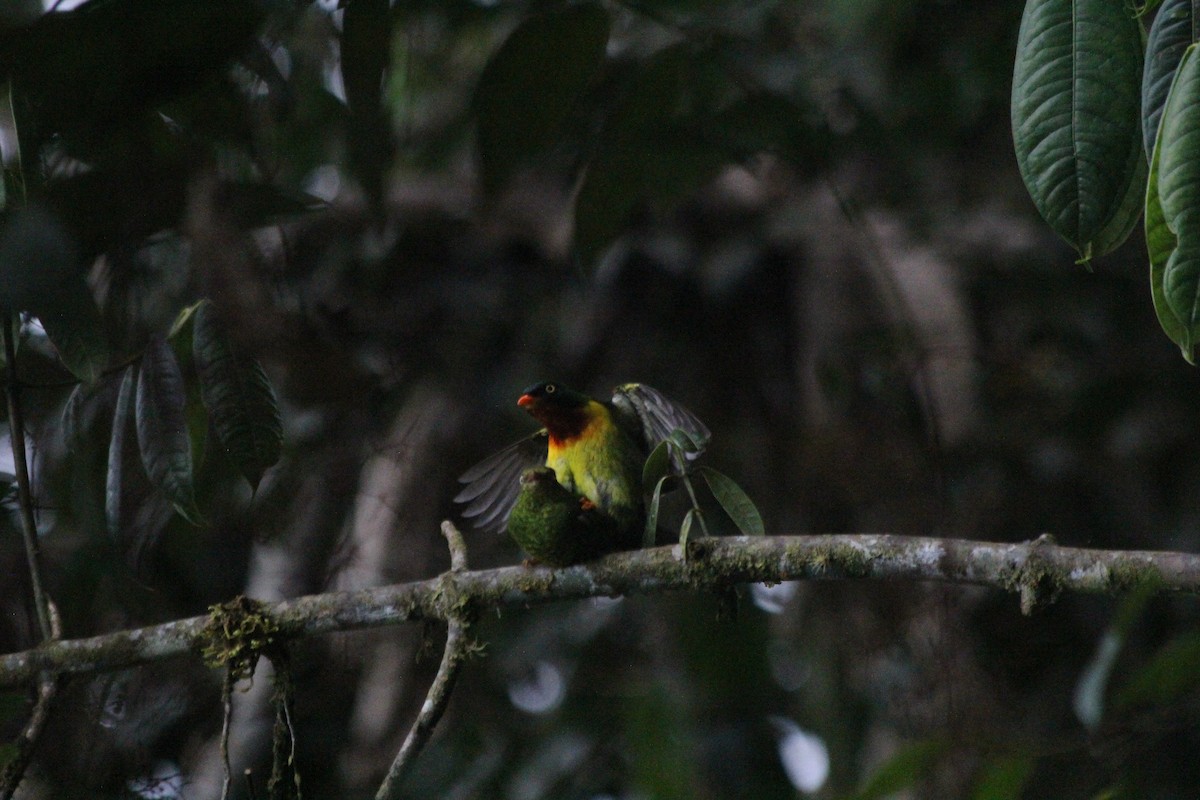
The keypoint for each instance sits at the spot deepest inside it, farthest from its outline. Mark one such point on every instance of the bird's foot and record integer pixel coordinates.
(530, 563)
(585, 504)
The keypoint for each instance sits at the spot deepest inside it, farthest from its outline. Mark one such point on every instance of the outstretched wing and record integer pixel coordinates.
(492, 485)
(659, 416)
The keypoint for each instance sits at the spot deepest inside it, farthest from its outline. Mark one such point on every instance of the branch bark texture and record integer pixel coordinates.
(1038, 571)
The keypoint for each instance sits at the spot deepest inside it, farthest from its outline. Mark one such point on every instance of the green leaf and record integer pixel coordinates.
(684, 442)
(70, 419)
(737, 503)
(8, 752)
(650, 534)
(1170, 35)
(909, 765)
(657, 466)
(1114, 234)
(685, 529)
(181, 328)
(1003, 778)
(181, 338)
(1160, 243)
(533, 83)
(1075, 116)
(162, 430)
(1170, 674)
(1179, 194)
(39, 274)
(239, 397)
(114, 478)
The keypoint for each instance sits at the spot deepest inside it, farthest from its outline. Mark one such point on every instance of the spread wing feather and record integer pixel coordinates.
(658, 416)
(492, 485)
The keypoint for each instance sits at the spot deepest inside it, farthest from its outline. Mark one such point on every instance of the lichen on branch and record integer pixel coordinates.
(1040, 570)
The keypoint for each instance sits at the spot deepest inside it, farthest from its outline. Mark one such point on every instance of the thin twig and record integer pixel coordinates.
(27, 741)
(227, 703)
(458, 646)
(16, 433)
(457, 545)
(49, 623)
(1035, 570)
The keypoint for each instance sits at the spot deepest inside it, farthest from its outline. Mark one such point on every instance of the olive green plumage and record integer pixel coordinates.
(551, 526)
(595, 451)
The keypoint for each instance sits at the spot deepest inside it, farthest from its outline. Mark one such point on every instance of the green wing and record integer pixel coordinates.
(658, 416)
(492, 485)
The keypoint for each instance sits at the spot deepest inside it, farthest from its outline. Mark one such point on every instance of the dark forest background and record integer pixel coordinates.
(802, 220)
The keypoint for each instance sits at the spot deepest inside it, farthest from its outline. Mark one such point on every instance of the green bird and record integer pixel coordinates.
(551, 525)
(596, 450)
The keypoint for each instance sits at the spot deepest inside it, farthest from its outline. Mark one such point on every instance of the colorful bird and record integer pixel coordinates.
(595, 449)
(551, 525)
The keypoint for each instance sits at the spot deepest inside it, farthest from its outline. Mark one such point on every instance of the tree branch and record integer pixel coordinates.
(1038, 571)
(458, 647)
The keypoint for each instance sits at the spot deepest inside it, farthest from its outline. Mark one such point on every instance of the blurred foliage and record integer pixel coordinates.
(804, 221)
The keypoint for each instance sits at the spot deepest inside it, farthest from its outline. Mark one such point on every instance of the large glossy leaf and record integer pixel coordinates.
(181, 338)
(239, 397)
(162, 430)
(1075, 116)
(115, 477)
(531, 85)
(1170, 35)
(1160, 243)
(1179, 193)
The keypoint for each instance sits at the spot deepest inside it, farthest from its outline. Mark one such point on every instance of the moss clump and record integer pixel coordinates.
(237, 633)
(1126, 575)
(853, 562)
(1037, 582)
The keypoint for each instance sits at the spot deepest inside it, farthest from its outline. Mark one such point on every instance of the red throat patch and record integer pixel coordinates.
(563, 424)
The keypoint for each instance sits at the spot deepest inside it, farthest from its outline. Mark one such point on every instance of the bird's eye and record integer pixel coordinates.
(550, 387)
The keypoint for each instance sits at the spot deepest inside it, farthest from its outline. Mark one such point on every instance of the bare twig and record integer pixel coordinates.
(458, 647)
(1036, 571)
(27, 741)
(227, 718)
(49, 623)
(458, 547)
(16, 432)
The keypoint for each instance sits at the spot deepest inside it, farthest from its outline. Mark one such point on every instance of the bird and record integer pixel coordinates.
(596, 450)
(553, 527)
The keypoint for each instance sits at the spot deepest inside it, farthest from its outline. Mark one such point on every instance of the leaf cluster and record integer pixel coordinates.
(1104, 124)
(671, 462)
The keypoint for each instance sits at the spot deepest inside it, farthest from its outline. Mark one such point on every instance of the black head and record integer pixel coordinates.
(551, 395)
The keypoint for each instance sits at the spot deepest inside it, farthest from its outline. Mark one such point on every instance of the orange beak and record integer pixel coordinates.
(525, 400)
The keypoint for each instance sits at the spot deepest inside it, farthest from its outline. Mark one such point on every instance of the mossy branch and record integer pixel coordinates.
(1038, 571)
